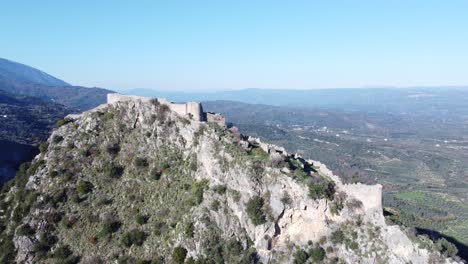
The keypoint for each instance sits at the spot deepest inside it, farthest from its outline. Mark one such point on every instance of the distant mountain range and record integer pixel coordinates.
(391, 100)
(19, 79)
(14, 71)
(31, 103)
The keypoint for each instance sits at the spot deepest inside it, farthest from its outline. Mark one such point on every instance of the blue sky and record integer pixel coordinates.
(218, 45)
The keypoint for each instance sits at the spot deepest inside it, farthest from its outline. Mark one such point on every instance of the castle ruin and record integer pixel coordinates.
(192, 110)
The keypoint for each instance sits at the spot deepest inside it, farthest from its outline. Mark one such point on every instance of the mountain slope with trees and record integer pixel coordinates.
(133, 182)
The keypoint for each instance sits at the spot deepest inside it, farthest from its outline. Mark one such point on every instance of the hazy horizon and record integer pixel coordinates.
(212, 45)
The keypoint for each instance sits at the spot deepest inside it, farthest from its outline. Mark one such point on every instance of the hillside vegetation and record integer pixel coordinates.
(133, 182)
(414, 152)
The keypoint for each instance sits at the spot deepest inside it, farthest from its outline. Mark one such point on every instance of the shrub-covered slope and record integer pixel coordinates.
(28, 120)
(133, 182)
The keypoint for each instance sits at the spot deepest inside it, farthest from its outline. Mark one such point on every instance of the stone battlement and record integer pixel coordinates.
(194, 110)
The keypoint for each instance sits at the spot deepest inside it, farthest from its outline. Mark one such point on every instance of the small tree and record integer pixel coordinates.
(25, 230)
(286, 199)
(141, 162)
(317, 254)
(133, 237)
(337, 237)
(446, 248)
(156, 173)
(190, 230)
(300, 256)
(113, 149)
(43, 147)
(57, 139)
(142, 219)
(64, 122)
(179, 254)
(84, 187)
(108, 227)
(113, 171)
(255, 210)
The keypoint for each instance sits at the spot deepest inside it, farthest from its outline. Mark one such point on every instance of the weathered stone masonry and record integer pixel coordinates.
(194, 110)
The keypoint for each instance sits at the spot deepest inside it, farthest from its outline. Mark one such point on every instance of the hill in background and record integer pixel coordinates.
(31, 103)
(14, 71)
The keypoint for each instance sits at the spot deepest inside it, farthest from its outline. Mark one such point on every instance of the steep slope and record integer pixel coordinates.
(133, 180)
(15, 71)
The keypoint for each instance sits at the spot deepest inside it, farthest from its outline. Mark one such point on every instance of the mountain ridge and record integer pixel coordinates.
(24, 73)
(133, 180)
(20, 79)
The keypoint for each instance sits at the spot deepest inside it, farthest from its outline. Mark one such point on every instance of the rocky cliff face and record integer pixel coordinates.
(133, 181)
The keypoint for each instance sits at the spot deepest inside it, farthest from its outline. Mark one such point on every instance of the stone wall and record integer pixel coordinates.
(215, 118)
(194, 110)
(113, 98)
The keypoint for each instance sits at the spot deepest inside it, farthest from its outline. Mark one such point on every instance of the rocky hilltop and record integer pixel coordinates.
(138, 181)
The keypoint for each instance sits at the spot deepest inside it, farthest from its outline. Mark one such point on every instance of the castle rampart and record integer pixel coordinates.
(194, 110)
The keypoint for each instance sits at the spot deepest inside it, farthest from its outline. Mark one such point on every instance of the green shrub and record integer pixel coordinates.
(113, 149)
(62, 252)
(301, 174)
(53, 173)
(446, 248)
(57, 139)
(64, 255)
(215, 205)
(259, 153)
(258, 169)
(133, 237)
(7, 250)
(67, 222)
(337, 237)
(46, 241)
(108, 116)
(235, 195)
(84, 187)
(353, 245)
(156, 174)
(198, 188)
(142, 219)
(220, 189)
(190, 230)
(109, 227)
(179, 254)
(286, 199)
(295, 164)
(141, 163)
(300, 256)
(75, 198)
(143, 261)
(43, 147)
(64, 122)
(317, 254)
(322, 190)
(336, 207)
(162, 111)
(113, 171)
(255, 210)
(159, 228)
(25, 230)
(190, 260)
